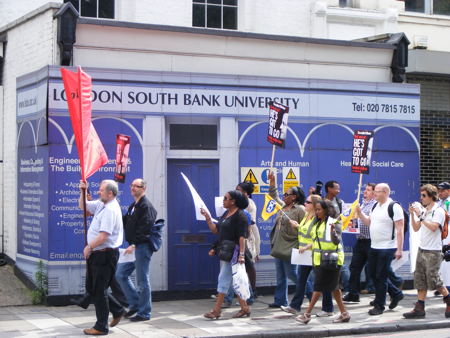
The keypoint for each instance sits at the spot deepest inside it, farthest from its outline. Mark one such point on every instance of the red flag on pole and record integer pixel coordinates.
(78, 87)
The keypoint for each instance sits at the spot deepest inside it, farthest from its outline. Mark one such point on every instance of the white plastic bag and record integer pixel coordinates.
(240, 281)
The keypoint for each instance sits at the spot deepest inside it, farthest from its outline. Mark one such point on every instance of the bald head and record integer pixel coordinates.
(382, 192)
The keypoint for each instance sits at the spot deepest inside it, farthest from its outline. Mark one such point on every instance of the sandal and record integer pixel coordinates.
(213, 314)
(304, 318)
(242, 313)
(344, 317)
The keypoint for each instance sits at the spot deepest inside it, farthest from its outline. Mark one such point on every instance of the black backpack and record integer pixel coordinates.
(391, 215)
(155, 236)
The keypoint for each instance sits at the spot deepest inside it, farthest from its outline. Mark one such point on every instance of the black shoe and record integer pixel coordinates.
(138, 318)
(351, 298)
(372, 303)
(395, 300)
(376, 311)
(437, 293)
(83, 301)
(273, 305)
(130, 313)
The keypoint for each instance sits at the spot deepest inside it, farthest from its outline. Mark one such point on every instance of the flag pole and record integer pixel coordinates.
(273, 157)
(83, 193)
(359, 186)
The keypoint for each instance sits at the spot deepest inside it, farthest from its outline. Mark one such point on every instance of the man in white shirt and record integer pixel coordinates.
(105, 235)
(386, 235)
(429, 257)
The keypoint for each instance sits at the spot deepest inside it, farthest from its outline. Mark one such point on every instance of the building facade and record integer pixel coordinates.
(194, 99)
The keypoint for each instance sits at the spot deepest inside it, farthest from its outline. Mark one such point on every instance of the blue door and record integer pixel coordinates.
(189, 240)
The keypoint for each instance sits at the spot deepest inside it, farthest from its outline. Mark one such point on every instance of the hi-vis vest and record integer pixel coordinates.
(322, 233)
(304, 231)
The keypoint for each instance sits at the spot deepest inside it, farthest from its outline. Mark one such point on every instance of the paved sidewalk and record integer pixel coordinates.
(184, 319)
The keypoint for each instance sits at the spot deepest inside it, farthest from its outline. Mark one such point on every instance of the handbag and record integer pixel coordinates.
(328, 259)
(281, 244)
(226, 250)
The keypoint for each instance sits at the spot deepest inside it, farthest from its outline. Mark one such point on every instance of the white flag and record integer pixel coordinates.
(198, 202)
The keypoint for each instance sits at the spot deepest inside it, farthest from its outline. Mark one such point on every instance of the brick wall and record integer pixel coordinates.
(31, 46)
(434, 128)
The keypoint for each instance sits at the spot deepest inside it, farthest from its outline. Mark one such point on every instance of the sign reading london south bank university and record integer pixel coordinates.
(239, 101)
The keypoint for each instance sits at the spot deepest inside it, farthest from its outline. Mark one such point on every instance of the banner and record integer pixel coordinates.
(362, 151)
(270, 207)
(122, 150)
(278, 119)
(78, 87)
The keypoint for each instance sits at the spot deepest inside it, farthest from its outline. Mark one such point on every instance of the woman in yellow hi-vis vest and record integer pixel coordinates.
(328, 257)
(305, 243)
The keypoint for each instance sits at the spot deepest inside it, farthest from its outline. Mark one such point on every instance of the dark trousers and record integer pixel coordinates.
(101, 267)
(303, 272)
(379, 263)
(359, 259)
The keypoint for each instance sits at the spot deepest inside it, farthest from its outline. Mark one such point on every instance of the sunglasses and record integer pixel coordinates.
(136, 186)
(308, 202)
(423, 195)
(286, 194)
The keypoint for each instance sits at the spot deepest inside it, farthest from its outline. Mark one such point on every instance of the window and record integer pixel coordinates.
(103, 9)
(193, 136)
(440, 7)
(220, 14)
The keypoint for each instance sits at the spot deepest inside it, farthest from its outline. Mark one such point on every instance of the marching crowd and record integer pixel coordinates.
(310, 224)
(313, 224)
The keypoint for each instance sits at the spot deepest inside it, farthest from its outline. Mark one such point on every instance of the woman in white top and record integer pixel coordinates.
(253, 241)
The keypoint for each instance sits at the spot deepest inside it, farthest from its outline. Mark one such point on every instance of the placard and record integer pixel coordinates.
(278, 118)
(362, 151)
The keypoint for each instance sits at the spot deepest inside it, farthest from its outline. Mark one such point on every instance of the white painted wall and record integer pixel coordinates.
(11, 10)
(30, 47)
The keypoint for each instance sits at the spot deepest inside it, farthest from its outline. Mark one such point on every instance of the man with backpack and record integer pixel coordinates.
(138, 224)
(386, 235)
(431, 220)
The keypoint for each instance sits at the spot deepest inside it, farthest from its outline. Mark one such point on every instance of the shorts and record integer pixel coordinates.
(426, 275)
(225, 277)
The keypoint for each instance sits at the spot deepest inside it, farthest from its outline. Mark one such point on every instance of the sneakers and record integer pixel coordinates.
(351, 298)
(288, 309)
(376, 311)
(324, 314)
(273, 305)
(416, 313)
(304, 318)
(395, 300)
(344, 317)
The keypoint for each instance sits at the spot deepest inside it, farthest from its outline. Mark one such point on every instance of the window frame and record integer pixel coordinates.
(205, 5)
(428, 9)
(97, 8)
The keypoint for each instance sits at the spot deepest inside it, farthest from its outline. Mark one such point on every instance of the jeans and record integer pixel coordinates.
(303, 273)
(379, 263)
(139, 298)
(284, 270)
(369, 281)
(359, 259)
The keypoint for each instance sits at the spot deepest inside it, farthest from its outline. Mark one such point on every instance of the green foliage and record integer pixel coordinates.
(38, 295)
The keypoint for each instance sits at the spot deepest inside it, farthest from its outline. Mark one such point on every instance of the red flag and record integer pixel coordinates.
(78, 87)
